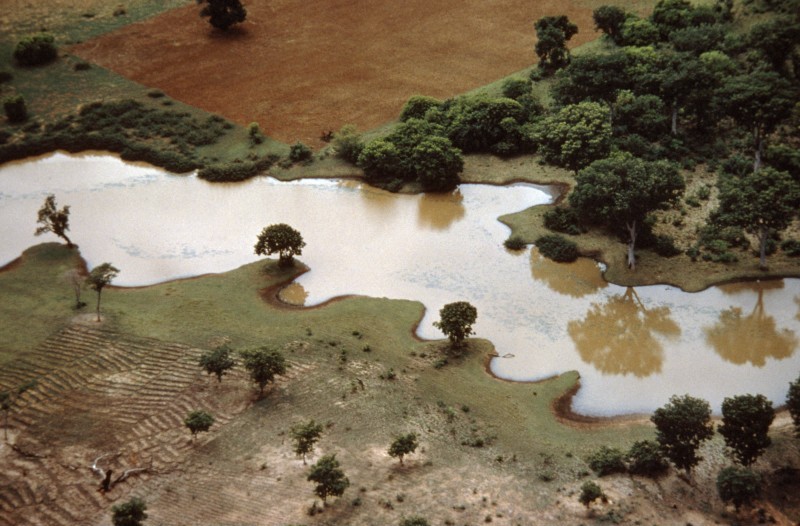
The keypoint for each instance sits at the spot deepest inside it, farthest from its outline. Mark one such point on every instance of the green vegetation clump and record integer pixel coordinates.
(606, 461)
(739, 486)
(514, 243)
(558, 248)
(562, 219)
(15, 108)
(645, 458)
(300, 153)
(36, 50)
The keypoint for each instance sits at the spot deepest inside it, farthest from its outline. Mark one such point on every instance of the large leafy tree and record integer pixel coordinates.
(670, 15)
(99, 278)
(284, 240)
(620, 191)
(305, 436)
(222, 14)
(609, 20)
(263, 364)
(54, 220)
(552, 34)
(218, 361)
(597, 77)
(456, 321)
(681, 426)
(762, 203)
(576, 135)
(330, 479)
(759, 102)
(745, 426)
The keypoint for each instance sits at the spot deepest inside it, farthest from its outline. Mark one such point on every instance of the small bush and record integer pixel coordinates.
(347, 143)
(514, 243)
(791, 247)
(645, 458)
(417, 106)
(82, 66)
(155, 94)
(606, 461)
(300, 153)
(738, 486)
(664, 246)
(590, 492)
(36, 50)
(15, 108)
(516, 88)
(557, 248)
(561, 219)
(254, 133)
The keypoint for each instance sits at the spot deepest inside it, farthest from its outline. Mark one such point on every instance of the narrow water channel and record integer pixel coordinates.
(633, 347)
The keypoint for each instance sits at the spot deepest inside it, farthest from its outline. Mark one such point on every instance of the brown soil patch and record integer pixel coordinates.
(299, 68)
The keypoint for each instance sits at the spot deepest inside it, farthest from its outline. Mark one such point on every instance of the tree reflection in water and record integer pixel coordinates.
(620, 336)
(440, 210)
(576, 279)
(753, 338)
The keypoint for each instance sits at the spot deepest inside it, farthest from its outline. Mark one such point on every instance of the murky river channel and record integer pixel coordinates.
(633, 347)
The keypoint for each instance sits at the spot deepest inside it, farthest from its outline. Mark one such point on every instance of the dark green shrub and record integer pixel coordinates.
(664, 246)
(557, 248)
(562, 219)
(35, 50)
(791, 247)
(300, 153)
(347, 143)
(15, 109)
(155, 94)
(514, 243)
(474, 123)
(516, 88)
(738, 485)
(380, 160)
(229, 172)
(645, 458)
(606, 461)
(417, 106)
(590, 492)
(82, 66)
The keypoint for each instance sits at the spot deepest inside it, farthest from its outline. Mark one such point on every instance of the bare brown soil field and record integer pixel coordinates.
(302, 68)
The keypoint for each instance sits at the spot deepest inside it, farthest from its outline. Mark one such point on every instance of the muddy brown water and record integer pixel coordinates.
(633, 347)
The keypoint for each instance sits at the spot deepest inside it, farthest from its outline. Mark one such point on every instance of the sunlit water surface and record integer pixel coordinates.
(633, 348)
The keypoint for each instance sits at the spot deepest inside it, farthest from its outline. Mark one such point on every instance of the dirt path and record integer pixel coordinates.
(300, 69)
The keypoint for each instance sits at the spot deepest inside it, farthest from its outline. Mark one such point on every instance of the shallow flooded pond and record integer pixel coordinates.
(633, 347)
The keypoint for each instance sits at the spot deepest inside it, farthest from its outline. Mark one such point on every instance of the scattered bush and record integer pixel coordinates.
(36, 50)
(606, 461)
(514, 243)
(664, 246)
(254, 133)
(347, 143)
(300, 153)
(645, 458)
(738, 485)
(562, 219)
(791, 247)
(590, 492)
(557, 248)
(15, 108)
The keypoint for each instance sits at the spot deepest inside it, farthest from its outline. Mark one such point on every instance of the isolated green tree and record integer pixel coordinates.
(745, 426)
(218, 361)
(305, 436)
(198, 422)
(403, 445)
(98, 278)
(609, 20)
(738, 486)
(35, 50)
(330, 479)
(622, 190)
(222, 14)
(456, 321)
(131, 513)
(552, 35)
(54, 220)
(284, 240)
(681, 426)
(590, 492)
(576, 135)
(762, 203)
(793, 404)
(263, 364)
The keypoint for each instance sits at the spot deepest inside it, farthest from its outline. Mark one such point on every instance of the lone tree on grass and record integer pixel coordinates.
(305, 436)
(54, 220)
(131, 513)
(99, 277)
(745, 426)
(284, 240)
(552, 34)
(403, 445)
(329, 477)
(218, 361)
(198, 422)
(222, 14)
(793, 404)
(263, 364)
(681, 426)
(738, 486)
(456, 320)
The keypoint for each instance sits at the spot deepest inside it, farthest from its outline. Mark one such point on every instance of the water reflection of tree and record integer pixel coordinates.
(753, 338)
(570, 279)
(438, 211)
(619, 337)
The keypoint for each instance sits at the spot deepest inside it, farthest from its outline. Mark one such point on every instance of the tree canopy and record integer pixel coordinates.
(263, 364)
(222, 14)
(745, 426)
(54, 220)
(99, 278)
(218, 361)
(330, 479)
(305, 436)
(456, 320)
(403, 445)
(576, 135)
(284, 240)
(552, 35)
(681, 426)
(737, 485)
(198, 421)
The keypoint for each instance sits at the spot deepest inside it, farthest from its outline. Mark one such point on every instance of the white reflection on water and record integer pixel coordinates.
(633, 348)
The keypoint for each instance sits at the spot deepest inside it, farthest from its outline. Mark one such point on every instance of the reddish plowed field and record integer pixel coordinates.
(300, 68)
